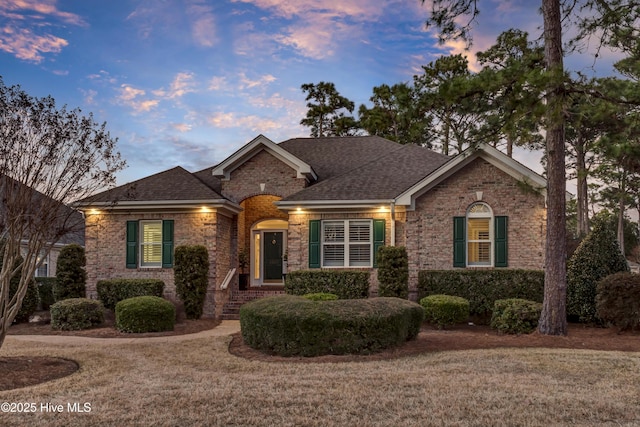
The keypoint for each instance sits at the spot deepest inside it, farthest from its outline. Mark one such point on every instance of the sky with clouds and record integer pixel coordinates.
(188, 82)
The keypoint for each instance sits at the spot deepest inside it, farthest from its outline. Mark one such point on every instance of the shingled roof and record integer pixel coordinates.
(376, 175)
(347, 169)
(334, 156)
(171, 185)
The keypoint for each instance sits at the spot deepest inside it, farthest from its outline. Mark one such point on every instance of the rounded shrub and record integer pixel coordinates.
(71, 277)
(191, 277)
(321, 296)
(445, 310)
(597, 257)
(74, 314)
(515, 316)
(145, 314)
(618, 300)
(290, 325)
(393, 271)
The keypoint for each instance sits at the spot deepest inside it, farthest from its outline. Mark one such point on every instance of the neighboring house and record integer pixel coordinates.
(324, 203)
(66, 226)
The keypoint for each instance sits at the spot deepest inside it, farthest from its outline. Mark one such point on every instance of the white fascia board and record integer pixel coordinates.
(495, 157)
(161, 204)
(333, 204)
(261, 142)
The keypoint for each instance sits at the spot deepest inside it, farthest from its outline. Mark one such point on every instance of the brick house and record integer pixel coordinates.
(310, 203)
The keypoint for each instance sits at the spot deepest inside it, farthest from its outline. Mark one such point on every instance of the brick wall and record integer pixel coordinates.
(105, 243)
(427, 232)
(298, 238)
(263, 168)
(429, 229)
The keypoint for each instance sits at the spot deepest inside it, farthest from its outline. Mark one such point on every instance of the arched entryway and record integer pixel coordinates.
(268, 248)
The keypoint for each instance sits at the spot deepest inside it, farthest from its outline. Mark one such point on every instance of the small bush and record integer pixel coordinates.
(618, 300)
(111, 292)
(71, 278)
(347, 284)
(321, 296)
(482, 287)
(74, 314)
(191, 275)
(289, 325)
(45, 291)
(393, 272)
(145, 314)
(516, 316)
(597, 257)
(445, 310)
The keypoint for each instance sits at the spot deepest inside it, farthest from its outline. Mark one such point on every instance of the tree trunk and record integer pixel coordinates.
(621, 212)
(553, 320)
(583, 195)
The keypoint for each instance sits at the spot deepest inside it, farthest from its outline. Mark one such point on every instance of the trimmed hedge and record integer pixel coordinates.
(445, 310)
(145, 314)
(191, 276)
(70, 273)
(516, 316)
(290, 325)
(45, 291)
(111, 292)
(482, 287)
(618, 300)
(347, 284)
(393, 271)
(74, 314)
(321, 296)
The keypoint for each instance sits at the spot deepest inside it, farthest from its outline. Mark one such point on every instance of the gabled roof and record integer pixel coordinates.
(380, 179)
(258, 144)
(497, 158)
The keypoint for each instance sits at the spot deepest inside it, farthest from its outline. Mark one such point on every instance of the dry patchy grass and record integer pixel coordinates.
(197, 382)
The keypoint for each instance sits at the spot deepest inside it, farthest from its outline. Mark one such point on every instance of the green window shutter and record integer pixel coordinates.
(500, 238)
(167, 243)
(459, 241)
(378, 237)
(314, 243)
(132, 244)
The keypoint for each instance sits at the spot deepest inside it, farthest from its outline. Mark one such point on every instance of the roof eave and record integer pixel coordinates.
(287, 205)
(495, 157)
(129, 205)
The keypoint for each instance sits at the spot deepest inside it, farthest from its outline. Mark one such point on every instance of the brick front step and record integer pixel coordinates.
(231, 309)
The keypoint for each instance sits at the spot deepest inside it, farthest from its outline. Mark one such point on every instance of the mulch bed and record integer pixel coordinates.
(467, 337)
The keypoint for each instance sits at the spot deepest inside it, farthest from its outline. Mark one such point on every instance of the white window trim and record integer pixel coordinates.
(346, 243)
(142, 244)
(481, 215)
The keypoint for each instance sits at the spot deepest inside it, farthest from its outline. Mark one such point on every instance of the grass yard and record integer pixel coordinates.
(197, 382)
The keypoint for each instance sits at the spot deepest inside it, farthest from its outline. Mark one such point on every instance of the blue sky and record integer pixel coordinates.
(188, 82)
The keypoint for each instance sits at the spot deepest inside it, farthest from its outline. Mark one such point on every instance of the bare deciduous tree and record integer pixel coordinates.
(49, 157)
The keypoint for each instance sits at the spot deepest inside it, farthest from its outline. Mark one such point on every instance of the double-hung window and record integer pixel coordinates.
(344, 243)
(479, 238)
(150, 244)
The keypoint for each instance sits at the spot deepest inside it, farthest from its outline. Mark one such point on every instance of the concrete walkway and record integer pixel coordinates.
(227, 327)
